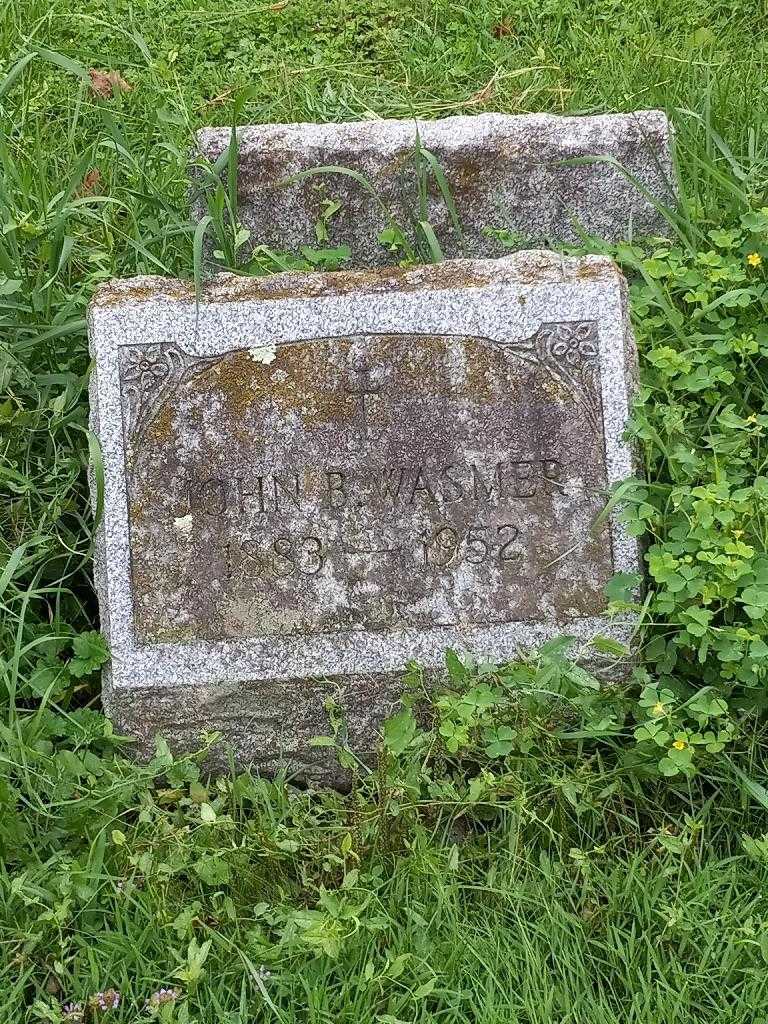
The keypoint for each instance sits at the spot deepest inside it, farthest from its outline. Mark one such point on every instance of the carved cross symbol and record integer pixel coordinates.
(361, 389)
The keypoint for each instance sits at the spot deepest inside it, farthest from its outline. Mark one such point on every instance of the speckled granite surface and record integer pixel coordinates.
(312, 479)
(519, 174)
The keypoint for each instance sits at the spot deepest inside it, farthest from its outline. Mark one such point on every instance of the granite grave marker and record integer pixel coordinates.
(534, 175)
(312, 479)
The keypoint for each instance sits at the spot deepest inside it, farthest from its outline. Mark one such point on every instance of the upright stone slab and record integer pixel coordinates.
(508, 173)
(311, 480)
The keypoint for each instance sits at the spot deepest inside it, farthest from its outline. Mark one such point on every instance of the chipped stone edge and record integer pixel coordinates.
(527, 267)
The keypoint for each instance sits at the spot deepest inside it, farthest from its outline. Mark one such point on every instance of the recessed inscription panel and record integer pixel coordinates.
(376, 482)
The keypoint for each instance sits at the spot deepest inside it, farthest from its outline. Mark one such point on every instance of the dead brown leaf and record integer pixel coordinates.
(106, 83)
(216, 101)
(52, 985)
(483, 95)
(503, 28)
(90, 182)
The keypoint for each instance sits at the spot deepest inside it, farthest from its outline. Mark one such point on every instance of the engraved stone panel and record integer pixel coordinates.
(311, 480)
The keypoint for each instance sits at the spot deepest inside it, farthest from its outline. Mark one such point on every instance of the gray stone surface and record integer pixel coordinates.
(312, 479)
(505, 172)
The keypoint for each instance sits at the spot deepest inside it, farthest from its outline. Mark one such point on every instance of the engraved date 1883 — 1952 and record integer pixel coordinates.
(443, 547)
(406, 516)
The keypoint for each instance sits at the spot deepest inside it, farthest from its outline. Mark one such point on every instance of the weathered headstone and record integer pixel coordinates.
(505, 173)
(312, 479)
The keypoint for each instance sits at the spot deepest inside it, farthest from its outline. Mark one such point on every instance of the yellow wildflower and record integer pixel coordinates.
(679, 744)
(754, 259)
(658, 709)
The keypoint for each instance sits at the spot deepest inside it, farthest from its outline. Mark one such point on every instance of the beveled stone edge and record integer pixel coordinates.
(529, 266)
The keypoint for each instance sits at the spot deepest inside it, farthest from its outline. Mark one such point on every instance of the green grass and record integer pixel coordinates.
(575, 885)
(483, 930)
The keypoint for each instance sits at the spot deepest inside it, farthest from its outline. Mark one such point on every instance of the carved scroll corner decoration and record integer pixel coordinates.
(149, 376)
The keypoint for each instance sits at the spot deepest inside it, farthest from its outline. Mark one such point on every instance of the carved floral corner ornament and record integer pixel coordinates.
(571, 344)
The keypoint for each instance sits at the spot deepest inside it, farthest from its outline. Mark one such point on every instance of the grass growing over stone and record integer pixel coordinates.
(570, 883)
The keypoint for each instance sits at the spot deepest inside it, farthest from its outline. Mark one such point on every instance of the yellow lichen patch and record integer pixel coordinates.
(137, 510)
(311, 386)
(418, 360)
(556, 389)
(486, 370)
(114, 293)
(299, 379)
(593, 271)
(235, 378)
(161, 427)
